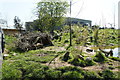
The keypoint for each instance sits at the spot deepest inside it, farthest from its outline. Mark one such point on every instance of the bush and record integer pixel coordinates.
(20, 69)
(10, 72)
(115, 58)
(73, 75)
(89, 62)
(52, 74)
(90, 75)
(100, 57)
(70, 68)
(10, 43)
(78, 62)
(108, 74)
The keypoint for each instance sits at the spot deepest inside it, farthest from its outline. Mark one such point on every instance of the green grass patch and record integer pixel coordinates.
(100, 57)
(115, 58)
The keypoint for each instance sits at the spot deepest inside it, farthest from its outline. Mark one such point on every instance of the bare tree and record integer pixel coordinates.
(17, 23)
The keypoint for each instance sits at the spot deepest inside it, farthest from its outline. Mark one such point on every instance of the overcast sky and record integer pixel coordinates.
(100, 12)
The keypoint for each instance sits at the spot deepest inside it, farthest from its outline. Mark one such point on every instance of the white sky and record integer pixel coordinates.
(100, 12)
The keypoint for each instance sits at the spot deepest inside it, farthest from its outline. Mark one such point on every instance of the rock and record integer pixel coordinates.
(88, 59)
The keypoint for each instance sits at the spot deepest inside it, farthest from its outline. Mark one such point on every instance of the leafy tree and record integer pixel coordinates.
(50, 15)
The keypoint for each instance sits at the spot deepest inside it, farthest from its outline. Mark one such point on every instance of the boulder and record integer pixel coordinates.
(88, 59)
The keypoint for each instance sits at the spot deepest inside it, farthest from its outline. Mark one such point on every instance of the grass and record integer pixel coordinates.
(100, 57)
(115, 58)
(36, 56)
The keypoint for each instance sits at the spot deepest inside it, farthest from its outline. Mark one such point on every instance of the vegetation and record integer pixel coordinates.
(22, 70)
(33, 64)
(115, 58)
(108, 74)
(10, 40)
(50, 15)
(18, 24)
(61, 61)
(100, 57)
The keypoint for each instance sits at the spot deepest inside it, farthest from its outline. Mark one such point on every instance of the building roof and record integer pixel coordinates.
(10, 28)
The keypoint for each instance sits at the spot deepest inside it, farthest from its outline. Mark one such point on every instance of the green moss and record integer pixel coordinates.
(53, 74)
(100, 57)
(72, 75)
(108, 74)
(91, 75)
(89, 62)
(10, 43)
(79, 62)
(10, 72)
(69, 68)
(75, 61)
(115, 58)
(23, 70)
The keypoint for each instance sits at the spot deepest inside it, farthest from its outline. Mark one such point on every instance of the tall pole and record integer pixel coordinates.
(114, 15)
(70, 25)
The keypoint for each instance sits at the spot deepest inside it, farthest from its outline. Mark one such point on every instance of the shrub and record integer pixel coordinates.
(91, 75)
(70, 68)
(100, 57)
(72, 74)
(20, 69)
(89, 62)
(78, 62)
(10, 43)
(33, 71)
(115, 58)
(52, 74)
(75, 61)
(108, 74)
(10, 72)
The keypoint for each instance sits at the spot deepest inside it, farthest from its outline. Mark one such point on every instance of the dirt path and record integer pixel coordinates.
(58, 63)
(54, 48)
